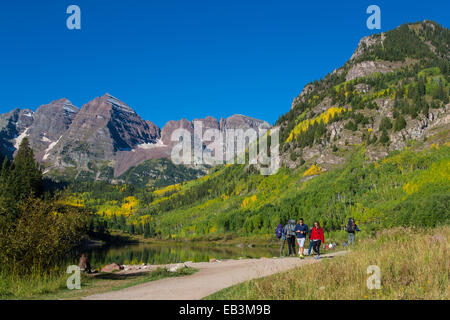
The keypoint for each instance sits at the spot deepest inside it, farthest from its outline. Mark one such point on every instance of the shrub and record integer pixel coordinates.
(42, 234)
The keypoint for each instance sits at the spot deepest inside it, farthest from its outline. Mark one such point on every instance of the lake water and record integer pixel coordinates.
(172, 253)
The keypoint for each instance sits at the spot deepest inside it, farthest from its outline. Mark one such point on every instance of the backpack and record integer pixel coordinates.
(290, 230)
(351, 225)
(279, 231)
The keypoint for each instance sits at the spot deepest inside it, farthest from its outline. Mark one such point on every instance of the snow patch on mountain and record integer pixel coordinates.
(50, 147)
(18, 140)
(147, 146)
(117, 104)
(69, 108)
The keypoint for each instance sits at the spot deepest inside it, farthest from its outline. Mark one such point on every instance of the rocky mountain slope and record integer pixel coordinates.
(102, 140)
(331, 139)
(394, 89)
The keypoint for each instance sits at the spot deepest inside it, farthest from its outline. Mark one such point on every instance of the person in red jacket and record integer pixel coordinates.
(317, 238)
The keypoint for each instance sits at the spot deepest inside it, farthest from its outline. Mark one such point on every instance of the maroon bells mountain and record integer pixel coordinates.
(104, 136)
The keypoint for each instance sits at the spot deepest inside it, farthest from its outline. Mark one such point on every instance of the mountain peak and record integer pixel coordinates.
(117, 104)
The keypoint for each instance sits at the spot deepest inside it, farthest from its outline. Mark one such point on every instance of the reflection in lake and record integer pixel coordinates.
(172, 253)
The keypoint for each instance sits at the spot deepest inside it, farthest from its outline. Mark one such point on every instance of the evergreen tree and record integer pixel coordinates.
(4, 173)
(399, 123)
(385, 124)
(384, 137)
(147, 232)
(26, 174)
(421, 89)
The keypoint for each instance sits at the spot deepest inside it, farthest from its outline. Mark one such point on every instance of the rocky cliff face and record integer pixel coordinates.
(102, 140)
(102, 128)
(13, 127)
(236, 121)
(50, 122)
(394, 89)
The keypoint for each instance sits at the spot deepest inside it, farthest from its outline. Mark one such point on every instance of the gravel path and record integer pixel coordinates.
(211, 277)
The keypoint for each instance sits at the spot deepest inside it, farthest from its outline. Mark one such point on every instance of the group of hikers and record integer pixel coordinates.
(299, 232)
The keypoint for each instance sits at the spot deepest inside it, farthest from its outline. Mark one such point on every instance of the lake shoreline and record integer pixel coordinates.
(121, 238)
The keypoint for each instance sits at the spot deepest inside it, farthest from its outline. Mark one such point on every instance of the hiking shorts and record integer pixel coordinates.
(301, 242)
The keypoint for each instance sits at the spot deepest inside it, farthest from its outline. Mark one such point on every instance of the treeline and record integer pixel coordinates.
(147, 229)
(409, 41)
(399, 44)
(36, 231)
(408, 188)
(98, 192)
(221, 184)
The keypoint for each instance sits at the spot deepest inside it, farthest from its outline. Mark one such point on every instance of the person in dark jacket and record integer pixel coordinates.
(352, 228)
(290, 236)
(317, 238)
(282, 240)
(310, 242)
(301, 230)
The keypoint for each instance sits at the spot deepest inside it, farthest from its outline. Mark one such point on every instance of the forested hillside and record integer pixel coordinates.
(370, 140)
(407, 188)
(395, 88)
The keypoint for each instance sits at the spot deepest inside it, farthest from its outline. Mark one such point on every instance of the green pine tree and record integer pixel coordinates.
(26, 174)
(399, 123)
(384, 137)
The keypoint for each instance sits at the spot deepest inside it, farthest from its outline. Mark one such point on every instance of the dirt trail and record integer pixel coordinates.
(211, 277)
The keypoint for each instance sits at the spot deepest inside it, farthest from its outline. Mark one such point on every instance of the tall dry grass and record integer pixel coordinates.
(414, 265)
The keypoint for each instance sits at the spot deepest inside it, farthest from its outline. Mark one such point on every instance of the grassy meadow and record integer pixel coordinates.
(414, 264)
(52, 286)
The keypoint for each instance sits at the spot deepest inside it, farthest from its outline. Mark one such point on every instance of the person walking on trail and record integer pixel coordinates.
(317, 238)
(310, 242)
(301, 230)
(351, 230)
(279, 232)
(290, 236)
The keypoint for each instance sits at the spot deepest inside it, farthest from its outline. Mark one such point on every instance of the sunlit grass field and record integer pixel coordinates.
(52, 286)
(414, 264)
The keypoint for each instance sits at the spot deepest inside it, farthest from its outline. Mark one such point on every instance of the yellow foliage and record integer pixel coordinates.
(439, 173)
(174, 187)
(110, 208)
(72, 200)
(130, 203)
(247, 201)
(434, 146)
(213, 230)
(324, 116)
(313, 170)
(207, 204)
(410, 188)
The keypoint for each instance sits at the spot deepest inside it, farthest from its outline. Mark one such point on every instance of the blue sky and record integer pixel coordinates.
(170, 59)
